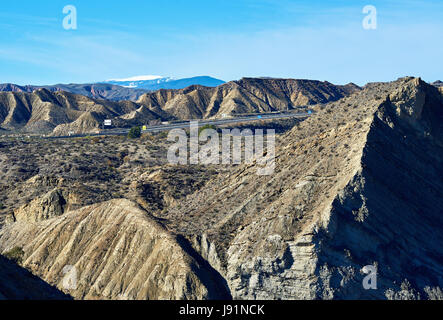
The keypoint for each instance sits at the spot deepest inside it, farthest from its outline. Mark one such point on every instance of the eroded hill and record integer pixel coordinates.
(248, 95)
(119, 252)
(45, 111)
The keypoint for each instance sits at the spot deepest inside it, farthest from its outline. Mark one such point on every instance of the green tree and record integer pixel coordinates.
(135, 132)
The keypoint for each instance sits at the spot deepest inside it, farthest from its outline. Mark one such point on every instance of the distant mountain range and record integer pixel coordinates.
(119, 89)
(62, 112)
(97, 91)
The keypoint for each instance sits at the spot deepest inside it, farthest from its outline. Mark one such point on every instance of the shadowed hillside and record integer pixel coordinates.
(17, 283)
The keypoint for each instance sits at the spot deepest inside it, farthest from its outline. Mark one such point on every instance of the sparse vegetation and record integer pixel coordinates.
(15, 254)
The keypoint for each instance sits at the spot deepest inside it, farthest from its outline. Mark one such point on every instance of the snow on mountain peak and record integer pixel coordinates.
(138, 78)
(151, 82)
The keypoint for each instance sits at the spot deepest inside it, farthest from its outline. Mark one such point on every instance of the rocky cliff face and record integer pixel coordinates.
(52, 204)
(389, 214)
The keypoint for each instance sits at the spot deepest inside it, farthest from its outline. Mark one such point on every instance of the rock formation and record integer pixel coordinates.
(48, 206)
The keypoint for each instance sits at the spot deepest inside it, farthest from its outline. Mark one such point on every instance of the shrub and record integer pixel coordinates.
(162, 135)
(15, 254)
(147, 136)
(135, 133)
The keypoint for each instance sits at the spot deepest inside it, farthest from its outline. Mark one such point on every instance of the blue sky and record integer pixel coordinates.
(227, 39)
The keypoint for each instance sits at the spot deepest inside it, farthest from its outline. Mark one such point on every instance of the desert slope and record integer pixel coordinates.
(119, 253)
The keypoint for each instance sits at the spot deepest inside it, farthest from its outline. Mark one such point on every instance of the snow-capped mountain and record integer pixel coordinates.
(151, 82)
(144, 82)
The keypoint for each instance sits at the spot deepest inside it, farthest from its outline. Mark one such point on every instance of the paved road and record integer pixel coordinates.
(183, 125)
